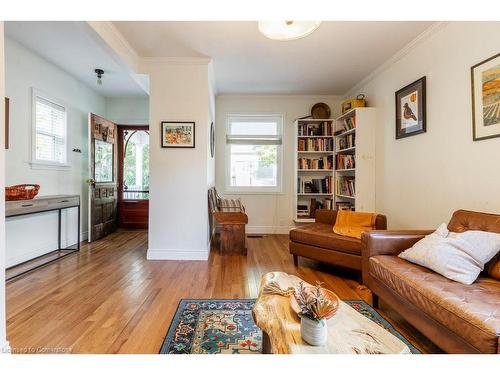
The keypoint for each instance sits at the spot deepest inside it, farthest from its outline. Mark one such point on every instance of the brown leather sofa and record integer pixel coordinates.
(317, 241)
(456, 317)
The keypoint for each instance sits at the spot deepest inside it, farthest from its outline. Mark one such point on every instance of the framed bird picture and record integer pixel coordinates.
(410, 109)
(485, 80)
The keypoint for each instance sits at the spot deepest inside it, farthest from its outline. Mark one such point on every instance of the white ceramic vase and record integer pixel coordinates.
(314, 332)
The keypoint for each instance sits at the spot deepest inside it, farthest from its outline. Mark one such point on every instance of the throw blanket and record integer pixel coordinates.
(352, 224)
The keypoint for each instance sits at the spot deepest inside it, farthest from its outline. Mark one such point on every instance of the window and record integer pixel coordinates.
(254, 153)
(49, 131)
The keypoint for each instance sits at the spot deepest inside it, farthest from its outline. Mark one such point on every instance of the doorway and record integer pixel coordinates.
(133, 176)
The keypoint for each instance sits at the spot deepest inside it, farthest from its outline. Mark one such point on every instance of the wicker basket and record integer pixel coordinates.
(21, 192)
(354, 103)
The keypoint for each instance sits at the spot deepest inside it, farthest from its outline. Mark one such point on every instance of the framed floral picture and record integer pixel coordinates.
(177, 134)
(485, 82)
(410, 109)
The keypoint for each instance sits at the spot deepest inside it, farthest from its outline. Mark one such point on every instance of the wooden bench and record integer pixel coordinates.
(231, 218)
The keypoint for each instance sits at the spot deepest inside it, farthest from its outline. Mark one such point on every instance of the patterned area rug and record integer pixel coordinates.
(226, 326)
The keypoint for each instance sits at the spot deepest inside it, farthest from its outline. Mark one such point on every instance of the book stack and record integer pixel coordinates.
(344, 206)
(345, 142)
(325, 162)
(345, 161)
(315, 144)
(305, 211)
(345, 186)
(315, 129)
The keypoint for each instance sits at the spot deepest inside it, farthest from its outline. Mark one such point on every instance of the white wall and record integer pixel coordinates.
(267, 213)
(178, 214)
(4, 345)
(25, 70)
(128, 111)
(422, 179)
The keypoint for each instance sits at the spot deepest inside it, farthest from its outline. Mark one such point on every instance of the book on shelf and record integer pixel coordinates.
(308, 185)
(349, 123)
(344, 206)
(315, 144)
(345, 186)
(345, 161)
(326, 162)
(308, 211)
(341, 143)
(315, 129)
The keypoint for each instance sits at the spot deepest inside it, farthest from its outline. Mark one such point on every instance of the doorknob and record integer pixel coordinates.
(91, 181)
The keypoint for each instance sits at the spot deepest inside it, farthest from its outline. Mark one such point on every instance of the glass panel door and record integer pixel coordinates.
(135, 164)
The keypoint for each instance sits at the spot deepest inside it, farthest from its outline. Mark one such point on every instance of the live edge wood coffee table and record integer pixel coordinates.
(349, 332)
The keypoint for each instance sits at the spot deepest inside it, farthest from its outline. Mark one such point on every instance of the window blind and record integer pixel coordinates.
(256, 130)
(50, 131)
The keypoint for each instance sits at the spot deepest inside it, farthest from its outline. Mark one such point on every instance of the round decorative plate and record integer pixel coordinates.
(320, 110)
(212, 140)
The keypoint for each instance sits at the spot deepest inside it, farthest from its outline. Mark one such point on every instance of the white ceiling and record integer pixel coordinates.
(331, 60)
(76, 48)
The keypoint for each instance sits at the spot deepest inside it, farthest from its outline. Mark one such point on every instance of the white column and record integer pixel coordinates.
(4, 344)
(178, 213)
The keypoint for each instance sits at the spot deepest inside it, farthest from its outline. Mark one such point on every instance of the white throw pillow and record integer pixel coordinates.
(456, 256)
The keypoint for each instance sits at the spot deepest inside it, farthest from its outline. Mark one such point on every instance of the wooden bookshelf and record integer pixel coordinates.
(314, 163)
(354, 177)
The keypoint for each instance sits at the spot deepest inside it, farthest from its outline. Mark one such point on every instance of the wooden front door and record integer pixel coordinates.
(103, 177)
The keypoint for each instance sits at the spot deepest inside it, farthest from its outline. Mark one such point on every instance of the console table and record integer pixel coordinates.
(45, 204)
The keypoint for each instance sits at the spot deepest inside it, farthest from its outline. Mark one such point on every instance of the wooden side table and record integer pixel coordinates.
(349, 332)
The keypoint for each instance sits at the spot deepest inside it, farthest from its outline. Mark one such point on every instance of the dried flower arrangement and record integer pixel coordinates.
(313, 302)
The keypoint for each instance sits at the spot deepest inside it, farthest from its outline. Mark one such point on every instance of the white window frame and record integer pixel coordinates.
(47, 164)
(279, 174)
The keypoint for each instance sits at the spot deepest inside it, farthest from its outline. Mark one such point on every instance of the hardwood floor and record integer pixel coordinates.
(110, 299)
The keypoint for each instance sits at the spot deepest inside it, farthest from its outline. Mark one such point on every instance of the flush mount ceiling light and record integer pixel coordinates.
(287, 30)
(99, 73)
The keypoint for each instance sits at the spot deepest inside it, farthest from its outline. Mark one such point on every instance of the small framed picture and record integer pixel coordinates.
(410, 109)
(485, 81)
(177, 134)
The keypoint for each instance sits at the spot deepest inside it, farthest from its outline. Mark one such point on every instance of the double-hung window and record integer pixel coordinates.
(254, 153)
(49, 131)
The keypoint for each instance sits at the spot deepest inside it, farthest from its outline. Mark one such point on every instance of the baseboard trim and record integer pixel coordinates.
(176, 254)
(5, 347)
(263, 229)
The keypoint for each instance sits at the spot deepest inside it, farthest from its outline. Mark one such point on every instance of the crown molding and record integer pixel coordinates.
(177, 60)
(426, 34)
(280, 95)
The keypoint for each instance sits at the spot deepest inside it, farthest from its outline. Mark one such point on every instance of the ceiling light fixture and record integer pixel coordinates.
(99, 73)
(287, 30)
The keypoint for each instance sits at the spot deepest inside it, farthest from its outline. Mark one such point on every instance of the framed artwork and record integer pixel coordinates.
(7, 116)
(485, 82)
(410, 109)
(212, 140)
(177, 134)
